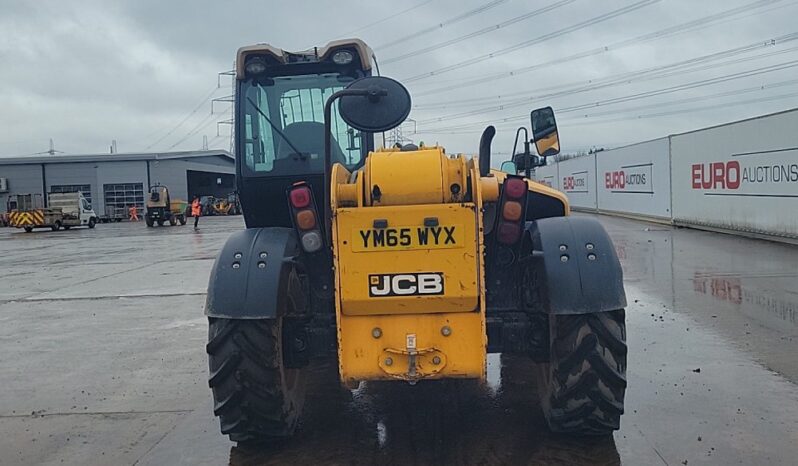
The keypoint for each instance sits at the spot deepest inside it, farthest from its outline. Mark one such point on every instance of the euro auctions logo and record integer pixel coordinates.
(575, 182)
(630, 179)
(716, 175)
(748, 176)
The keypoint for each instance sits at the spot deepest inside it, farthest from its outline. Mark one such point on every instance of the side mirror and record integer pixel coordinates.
(544, 132)
(372, 105)
(379, 104)
(509, 167)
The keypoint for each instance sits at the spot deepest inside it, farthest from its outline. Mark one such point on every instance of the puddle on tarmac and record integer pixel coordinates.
(434, 422)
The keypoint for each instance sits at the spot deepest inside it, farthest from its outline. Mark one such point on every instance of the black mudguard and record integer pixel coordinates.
(572, 282)
(250, 290)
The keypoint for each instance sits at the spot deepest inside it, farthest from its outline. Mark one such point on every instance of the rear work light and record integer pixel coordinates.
(311, 241)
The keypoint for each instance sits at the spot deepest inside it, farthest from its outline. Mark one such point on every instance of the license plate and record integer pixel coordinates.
(403, 238)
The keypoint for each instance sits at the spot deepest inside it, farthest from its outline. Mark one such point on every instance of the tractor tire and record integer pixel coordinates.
(161, 222)
(585, 380)
(56, 226)
(150, 222)
(92, 222)
(255, 397)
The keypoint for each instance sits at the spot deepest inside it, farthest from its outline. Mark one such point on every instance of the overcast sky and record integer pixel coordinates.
(616, 71)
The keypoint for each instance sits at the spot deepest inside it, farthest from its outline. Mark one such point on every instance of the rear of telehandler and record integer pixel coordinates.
(404, 265)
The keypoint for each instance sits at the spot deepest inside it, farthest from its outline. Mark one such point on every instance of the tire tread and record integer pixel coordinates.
(587, 374)
(246, 378)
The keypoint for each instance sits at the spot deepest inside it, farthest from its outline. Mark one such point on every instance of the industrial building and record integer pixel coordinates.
(119, 180)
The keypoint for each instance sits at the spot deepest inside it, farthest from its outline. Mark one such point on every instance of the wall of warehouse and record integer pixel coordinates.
(121, 181)
(74, 174)
(173, 173)
(738, 177)
(22, 179)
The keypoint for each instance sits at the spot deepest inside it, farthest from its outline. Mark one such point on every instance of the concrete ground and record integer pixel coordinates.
(102, 340)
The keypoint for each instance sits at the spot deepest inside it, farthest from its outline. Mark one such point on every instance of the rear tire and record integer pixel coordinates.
(585, 380)
(161, 222)
(255, 397)
(173, 221)
(56, 226)
(28, 229)
(150, 222)
(182, 220)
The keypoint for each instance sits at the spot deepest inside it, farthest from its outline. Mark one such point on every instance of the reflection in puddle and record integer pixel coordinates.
(731, 288)
(494, 381)
(381, 434)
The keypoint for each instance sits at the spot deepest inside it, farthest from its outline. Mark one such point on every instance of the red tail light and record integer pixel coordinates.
(300, 197)
(514, 188)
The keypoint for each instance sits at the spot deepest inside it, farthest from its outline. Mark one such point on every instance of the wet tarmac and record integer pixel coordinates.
(102, 341)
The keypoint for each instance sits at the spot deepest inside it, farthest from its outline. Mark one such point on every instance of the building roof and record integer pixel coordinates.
(72, 158)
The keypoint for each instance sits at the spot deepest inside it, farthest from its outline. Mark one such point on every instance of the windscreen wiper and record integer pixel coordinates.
(274, 127)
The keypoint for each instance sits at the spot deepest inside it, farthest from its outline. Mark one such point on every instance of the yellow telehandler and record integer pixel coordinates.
(402, 263)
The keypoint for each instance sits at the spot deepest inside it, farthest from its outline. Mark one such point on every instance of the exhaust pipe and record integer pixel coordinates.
(484, 150)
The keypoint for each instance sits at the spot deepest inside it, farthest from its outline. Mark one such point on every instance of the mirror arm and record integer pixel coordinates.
(527, 160)
(328, 152)
(526, 138)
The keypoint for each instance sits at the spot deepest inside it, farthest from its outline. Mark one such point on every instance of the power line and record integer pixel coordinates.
(184, 120)
(455, 19)
(387, 18)
(660, 34)
(471, 35)
(527, 43)
(692, 99)
(658, 72)
(576, 122)
(200, 126)
(667, 90)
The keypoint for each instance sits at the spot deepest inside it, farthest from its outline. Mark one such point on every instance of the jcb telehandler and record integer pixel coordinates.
(405, 265)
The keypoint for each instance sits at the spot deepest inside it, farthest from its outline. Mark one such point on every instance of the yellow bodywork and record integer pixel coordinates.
(407, 236)
(409, 268)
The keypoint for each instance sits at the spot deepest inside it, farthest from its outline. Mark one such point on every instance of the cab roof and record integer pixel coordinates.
(364, 51)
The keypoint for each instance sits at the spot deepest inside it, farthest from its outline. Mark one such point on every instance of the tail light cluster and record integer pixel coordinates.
(305, 217)
(512, 208)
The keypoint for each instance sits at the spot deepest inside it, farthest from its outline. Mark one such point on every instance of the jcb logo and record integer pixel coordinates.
(405, 284)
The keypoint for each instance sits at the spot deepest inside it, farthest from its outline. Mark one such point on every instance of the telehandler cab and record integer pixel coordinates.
(404, 265)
